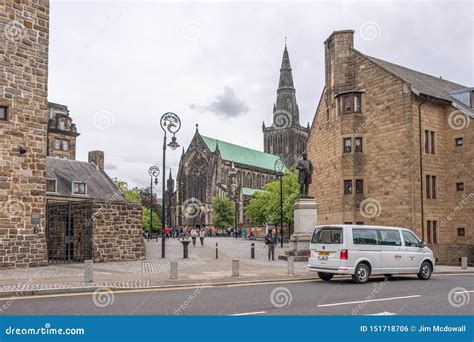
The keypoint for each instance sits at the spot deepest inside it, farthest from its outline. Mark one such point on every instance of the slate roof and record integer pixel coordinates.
(241, 155)
(422, 83)
(65, 171)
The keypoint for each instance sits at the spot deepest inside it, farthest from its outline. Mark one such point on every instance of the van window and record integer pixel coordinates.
(410, 239)
(327, 235)
(364, 236)
(388, 237)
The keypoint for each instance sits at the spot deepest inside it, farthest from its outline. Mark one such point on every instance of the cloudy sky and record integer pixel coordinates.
(120, 65)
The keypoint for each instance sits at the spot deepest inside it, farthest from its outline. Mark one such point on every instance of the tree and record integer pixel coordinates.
(133, 195)
(265, 206)
(224, 213)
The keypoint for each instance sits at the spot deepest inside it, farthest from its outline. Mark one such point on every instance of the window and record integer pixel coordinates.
(79, 188)
(51, 185)
(61, 125)
(358, 144)
(410, 239)
(460, 186)
(430, 187)
(57, 144)
(327, 235)
(458, 142)
(364, 236)
(65, 145)
(347, 142)
(430, 142)
(359, 186)
(461, 232)
(432, 231)
(3, 113)
(349, 103)
(389, 237)
(348, 187)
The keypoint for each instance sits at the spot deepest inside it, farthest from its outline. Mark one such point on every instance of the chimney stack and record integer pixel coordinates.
(339, 67)
(97, 158)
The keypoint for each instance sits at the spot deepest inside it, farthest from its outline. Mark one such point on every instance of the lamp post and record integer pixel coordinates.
(172, 123)
(279, 167)
(154, 172)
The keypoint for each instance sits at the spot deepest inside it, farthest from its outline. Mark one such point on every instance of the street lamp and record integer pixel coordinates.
(154, 172)
(279, 167)
(172, 123)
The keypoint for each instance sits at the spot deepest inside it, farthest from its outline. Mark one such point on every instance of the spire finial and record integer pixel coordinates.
(171, 176)
(197, 127)
(286, 38)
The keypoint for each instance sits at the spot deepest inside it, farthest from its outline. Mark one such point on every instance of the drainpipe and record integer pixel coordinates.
(421, 171)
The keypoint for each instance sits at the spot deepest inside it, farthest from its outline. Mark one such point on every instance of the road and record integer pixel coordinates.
(400, 296)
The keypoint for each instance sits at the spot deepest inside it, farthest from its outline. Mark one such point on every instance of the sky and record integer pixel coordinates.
(120, 65)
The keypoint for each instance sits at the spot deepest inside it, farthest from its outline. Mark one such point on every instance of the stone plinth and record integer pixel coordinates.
(306, 215)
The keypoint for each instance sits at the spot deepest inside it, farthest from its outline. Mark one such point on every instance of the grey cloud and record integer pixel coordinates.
(109, 166)
(226, 105)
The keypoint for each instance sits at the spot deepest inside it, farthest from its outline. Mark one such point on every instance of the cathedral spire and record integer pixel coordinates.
(286, 77)
(171, 175)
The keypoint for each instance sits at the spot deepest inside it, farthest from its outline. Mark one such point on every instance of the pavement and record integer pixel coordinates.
(200, 268)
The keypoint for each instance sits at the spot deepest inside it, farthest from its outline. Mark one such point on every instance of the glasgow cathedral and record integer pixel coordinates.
(209, 167)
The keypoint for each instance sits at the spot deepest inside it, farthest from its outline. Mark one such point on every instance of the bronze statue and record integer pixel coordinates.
(305, 170)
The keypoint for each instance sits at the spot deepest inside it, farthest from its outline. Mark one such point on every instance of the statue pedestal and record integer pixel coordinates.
(306, 217)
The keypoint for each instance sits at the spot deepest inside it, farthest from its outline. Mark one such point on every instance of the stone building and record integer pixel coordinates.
(285, 137)
(62, 132)
(394, 146)
(24, 28)
(210, 168)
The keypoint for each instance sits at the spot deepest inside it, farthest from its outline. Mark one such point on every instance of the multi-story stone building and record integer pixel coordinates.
(62, 132)
(394, 146)
(24, 28)
(285, 137)
(211, 168)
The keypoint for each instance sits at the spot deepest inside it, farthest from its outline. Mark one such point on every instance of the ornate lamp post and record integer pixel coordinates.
(279, 167)
(154, 172)
(172, 123)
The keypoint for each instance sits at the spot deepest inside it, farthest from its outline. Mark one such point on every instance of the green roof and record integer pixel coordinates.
(249, 191)
(241, 155)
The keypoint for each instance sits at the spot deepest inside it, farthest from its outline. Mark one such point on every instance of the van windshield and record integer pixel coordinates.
(327, 235)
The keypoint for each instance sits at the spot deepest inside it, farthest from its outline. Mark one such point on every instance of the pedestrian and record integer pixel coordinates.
(271, 241)
(244, 233)
(194, 234)
(167, 232)
(202, 235)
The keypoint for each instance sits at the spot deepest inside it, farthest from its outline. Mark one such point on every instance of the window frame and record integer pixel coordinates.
(359, 191)
(5, 108)
(361, 148)
(79, 193)
(461, 229)
(459, 188)
(67, 145)
(342, 99)
(456, 141)
(348, 181)
(55, 185)
(344, 140)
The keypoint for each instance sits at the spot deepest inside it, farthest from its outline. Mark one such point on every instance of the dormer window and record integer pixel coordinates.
(79, 188)
(465, 96)
(348, 103)
(51, 185)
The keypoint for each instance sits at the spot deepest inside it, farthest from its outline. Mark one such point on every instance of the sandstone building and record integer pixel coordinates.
(62, 132)
(285, 137)
(394, 146)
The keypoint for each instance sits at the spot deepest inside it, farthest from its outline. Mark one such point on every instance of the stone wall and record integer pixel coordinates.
(117, 231)
(24, 37)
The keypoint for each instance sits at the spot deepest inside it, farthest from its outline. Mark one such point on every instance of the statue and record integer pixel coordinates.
(305, 170)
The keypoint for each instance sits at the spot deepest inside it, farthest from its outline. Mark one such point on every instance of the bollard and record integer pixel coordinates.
(217, 251)
(88, 271)
(290, 266)
(235, 268)
(252, 250)
(464, 263)
(173, 270)
(185, 249)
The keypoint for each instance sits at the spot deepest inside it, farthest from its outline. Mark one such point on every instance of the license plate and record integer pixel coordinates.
(324, 253)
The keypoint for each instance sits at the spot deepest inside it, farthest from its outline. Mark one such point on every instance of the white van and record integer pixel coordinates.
(362, 251)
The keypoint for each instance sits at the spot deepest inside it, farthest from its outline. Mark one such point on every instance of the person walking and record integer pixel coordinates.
(202, 235)
(271, 240)
(194, 234)
(244, 233)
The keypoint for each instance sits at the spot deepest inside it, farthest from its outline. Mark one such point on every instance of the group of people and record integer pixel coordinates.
(243, 233)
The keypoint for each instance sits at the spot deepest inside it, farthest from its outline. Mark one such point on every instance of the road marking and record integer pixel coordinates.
(385, 313)
(250, 313)
(367, 301)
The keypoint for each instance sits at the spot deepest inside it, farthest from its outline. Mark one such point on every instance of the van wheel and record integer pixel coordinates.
(362, 273)
(325, 276)
(425, 271)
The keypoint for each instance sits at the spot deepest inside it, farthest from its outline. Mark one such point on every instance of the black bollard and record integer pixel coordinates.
(185, 249)
(217, 251)
(252, 250)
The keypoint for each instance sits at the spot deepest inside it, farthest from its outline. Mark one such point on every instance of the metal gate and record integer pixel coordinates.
(69, 231)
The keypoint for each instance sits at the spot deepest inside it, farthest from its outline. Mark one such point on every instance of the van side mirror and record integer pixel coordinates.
(422, 244)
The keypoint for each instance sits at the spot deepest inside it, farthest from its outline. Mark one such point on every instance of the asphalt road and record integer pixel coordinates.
(442, 295)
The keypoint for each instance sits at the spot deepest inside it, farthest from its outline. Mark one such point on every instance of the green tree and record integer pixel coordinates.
(265, 206)
(224, 213)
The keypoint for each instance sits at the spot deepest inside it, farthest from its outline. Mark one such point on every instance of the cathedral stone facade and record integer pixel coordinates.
(285, 137)
(211, 168)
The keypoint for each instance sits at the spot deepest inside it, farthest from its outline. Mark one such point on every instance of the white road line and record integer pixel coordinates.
(385, 313)
(250, 313)
(367, 301)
